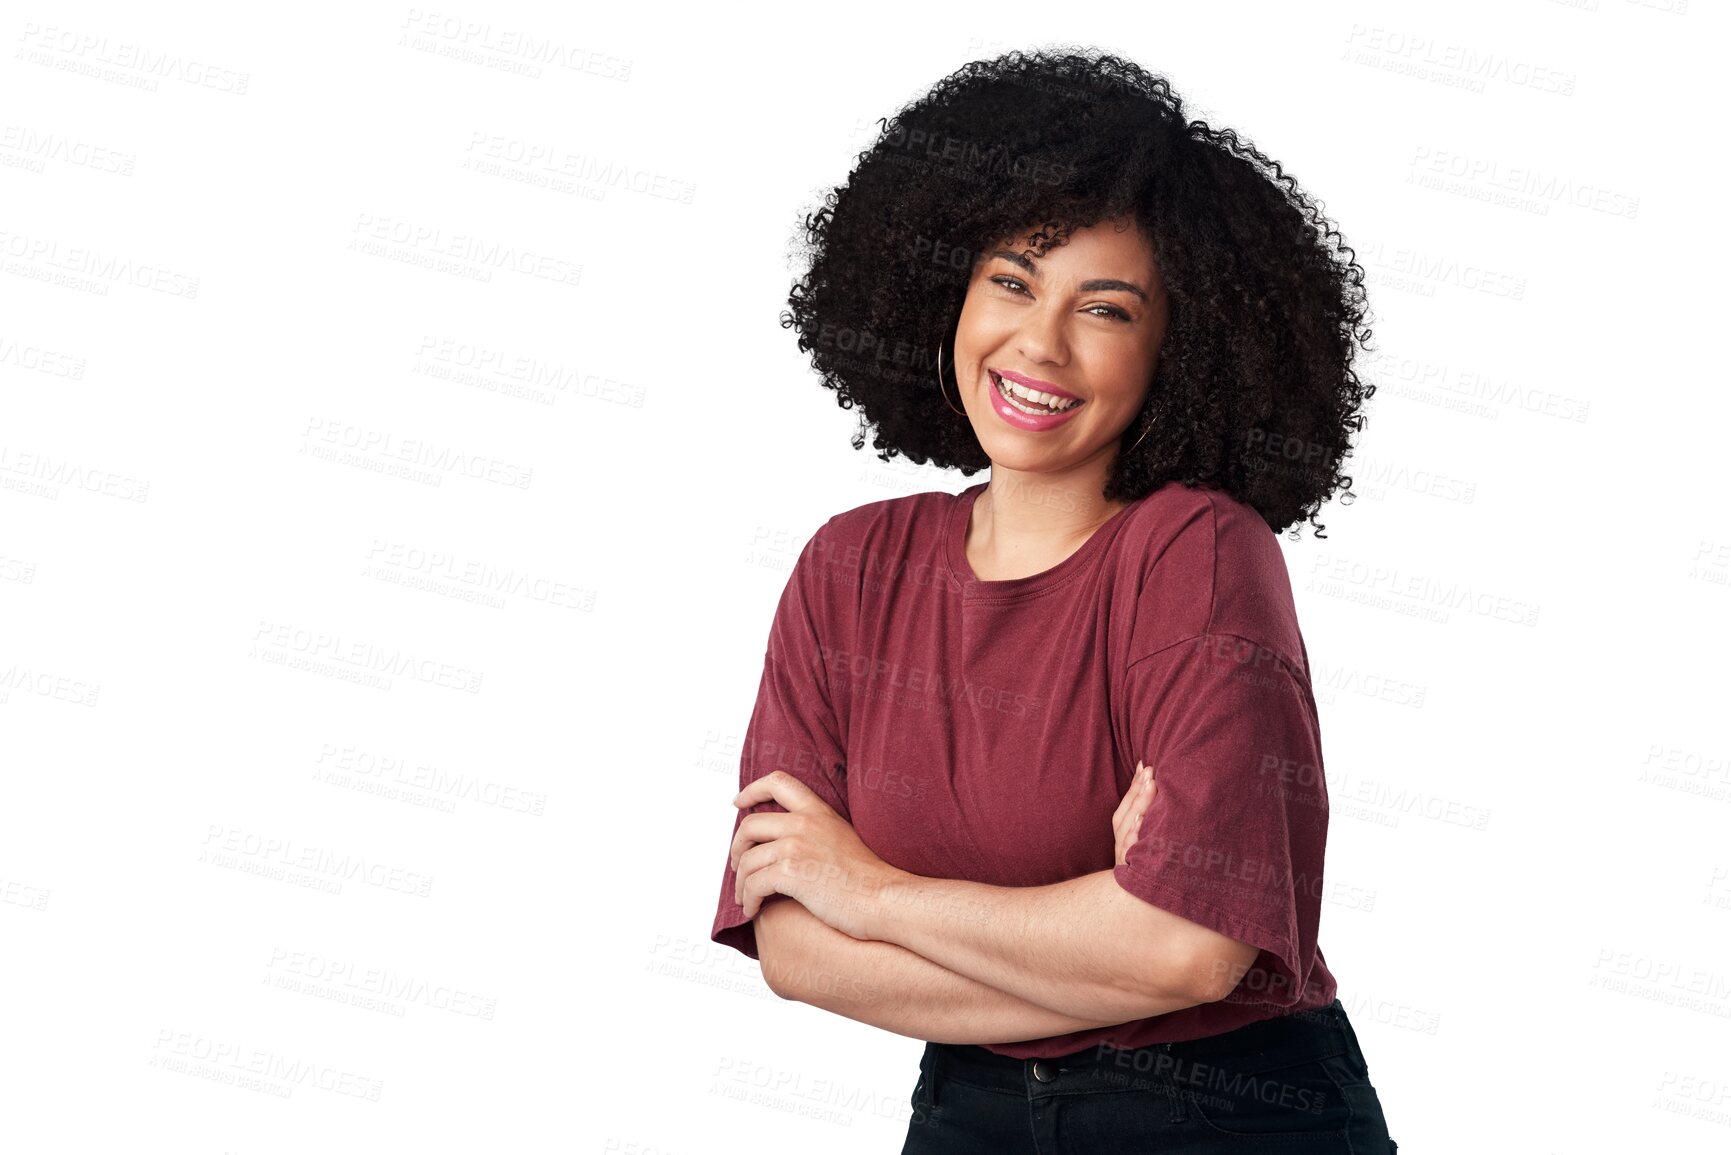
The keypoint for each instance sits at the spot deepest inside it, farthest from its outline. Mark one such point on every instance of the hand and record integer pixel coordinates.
(810, 853)
(1127, 820)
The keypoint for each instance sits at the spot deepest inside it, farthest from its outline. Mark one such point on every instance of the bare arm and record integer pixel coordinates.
(888, 986)
(1085, 946)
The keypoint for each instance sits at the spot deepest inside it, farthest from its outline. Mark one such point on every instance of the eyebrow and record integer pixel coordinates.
(1098, 285)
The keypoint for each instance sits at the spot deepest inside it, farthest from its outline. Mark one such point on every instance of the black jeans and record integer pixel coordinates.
(1295, 1084)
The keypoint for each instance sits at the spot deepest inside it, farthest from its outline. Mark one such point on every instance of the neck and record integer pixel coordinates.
(1022, 515)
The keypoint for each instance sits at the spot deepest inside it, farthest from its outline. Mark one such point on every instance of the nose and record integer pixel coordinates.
(1041, 338)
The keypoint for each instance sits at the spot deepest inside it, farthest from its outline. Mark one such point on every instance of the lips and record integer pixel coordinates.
(1013, 416)
(1033, 383)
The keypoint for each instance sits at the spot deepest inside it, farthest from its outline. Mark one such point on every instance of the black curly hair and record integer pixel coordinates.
(1254, 391)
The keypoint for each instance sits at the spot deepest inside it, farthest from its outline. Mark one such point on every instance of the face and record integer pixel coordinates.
(1080, 327)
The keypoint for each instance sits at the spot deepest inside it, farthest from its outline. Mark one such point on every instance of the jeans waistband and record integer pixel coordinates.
(1267, 1045)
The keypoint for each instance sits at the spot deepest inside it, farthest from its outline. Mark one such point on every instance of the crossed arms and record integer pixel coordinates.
(953, 961)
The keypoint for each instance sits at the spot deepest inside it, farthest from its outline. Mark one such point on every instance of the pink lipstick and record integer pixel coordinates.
(1030, 413)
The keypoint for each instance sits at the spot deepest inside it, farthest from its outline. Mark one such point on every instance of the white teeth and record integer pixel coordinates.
(1012, 390)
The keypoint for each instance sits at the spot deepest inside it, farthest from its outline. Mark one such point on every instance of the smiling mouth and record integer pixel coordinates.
(1028, 401)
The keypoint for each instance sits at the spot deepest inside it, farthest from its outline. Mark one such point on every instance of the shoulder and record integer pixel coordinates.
(890, 512)
(876, 539)
(1206, 563)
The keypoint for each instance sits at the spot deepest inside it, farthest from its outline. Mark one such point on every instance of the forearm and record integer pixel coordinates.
(1083, 947)
(891, 987)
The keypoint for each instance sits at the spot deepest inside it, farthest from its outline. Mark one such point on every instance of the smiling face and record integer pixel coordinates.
(1055, 354)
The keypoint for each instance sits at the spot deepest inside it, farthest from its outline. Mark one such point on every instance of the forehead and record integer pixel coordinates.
(1104, 249)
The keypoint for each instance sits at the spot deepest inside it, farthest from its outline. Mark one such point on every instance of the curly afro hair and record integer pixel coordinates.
(1254, 391)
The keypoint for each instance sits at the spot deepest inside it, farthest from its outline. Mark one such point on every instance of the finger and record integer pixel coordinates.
(755, 828)
(1148, 791)
(1124, 803)
(757, 858)
(1121, 817)
(756, 881)
(781, 787)
(1135, 802)
(1145, 801)
(1137, 815)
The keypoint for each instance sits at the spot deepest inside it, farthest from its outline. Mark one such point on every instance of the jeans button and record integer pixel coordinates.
(1045, 1072)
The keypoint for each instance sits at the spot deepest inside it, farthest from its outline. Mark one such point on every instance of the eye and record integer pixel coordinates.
(1012, 285)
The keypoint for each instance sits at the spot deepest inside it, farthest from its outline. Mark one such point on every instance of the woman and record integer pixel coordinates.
(1039, 764)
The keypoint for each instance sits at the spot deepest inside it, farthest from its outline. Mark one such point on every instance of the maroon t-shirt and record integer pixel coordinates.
(987, 730)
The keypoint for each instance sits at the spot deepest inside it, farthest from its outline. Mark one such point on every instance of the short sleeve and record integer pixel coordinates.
(1235, 838)
(793, 725)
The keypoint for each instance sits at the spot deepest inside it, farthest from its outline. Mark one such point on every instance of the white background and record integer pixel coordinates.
(227, 334)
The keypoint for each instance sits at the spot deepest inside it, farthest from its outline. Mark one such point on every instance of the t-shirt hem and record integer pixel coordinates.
(732, 928)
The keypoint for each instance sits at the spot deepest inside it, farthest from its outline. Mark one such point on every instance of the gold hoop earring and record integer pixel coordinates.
(941, 389)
